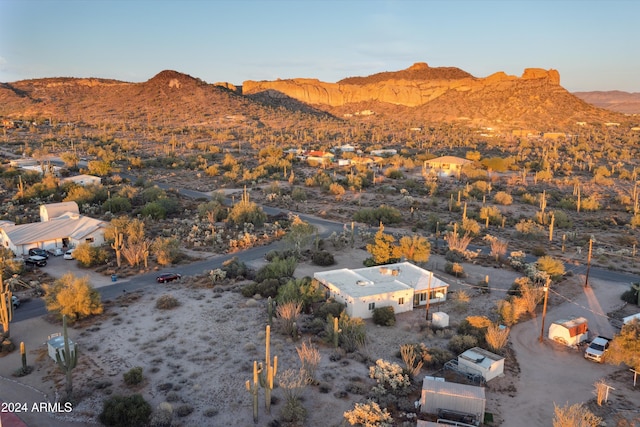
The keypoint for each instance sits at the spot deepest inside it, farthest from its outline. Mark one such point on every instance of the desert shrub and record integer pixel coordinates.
(461, 343)
(293, 412)
(125, 411)
(390, 378)
(503, 198)
(496, 337)
(384, 214)
(384, 316)
(454, 269)
(277, 268)
(234, 268)
(89, 256)
(530, 199)
(574, 415)
(538, 251)
(162, 416)
(323, 258)
(590, 203)
(266, 288)
(183, 410)
(352, 332)
(117, 204)
(632, 296)
(153, 210)
(369, 414)
(510, 312)
(437, 357)
(133, 376)
(454, 256)
(167, 302)
(529, 228)
(553, 267)
(331, 307)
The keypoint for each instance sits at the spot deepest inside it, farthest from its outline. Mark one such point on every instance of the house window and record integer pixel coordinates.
(423, 296)
(372, 305)
(89, 239)
(400, 301)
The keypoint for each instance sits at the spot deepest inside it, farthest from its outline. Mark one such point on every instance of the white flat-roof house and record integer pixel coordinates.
(402, 286)
(82, 179)
(60, 226)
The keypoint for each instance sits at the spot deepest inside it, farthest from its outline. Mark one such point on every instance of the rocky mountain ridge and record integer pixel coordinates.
(614, 100)
(417, 94)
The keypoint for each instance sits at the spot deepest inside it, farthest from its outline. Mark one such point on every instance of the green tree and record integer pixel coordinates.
(73, 297)
(300, 233)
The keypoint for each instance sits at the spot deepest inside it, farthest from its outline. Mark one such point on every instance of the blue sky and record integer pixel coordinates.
(593, 44)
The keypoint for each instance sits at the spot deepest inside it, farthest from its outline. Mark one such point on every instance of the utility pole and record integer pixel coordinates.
(428, 296)
(586, 277)
(544, 307)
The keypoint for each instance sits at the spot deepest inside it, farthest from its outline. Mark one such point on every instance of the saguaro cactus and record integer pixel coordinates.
(270, 308)
(117, 245)
(6, 307)
(67, 359)
(23, 356)
(268, 371)
(253, 389)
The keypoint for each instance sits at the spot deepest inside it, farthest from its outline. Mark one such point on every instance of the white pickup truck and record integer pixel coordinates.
(597, 349)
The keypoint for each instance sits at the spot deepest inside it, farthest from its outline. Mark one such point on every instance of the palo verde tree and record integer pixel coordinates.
(73, 297)
(415, 248)
(625, 347)
(300, 233)
(383, 249)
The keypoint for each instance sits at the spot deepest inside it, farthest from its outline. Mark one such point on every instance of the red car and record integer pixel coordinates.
(168, 277)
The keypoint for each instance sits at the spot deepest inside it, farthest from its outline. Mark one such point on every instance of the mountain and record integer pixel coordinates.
(615, 100)
(417, 95)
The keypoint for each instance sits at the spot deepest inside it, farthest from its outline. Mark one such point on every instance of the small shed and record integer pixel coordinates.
(440, 319)
(569, 332)
(447, 398)
(487, 364)
(55, 342)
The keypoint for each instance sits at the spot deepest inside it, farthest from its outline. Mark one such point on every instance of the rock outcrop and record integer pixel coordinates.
(413, 87)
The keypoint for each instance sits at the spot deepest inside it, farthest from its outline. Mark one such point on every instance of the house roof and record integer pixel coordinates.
(453, 389)
(377, 280)
(81, 178)
(448, 159)
(74, 228)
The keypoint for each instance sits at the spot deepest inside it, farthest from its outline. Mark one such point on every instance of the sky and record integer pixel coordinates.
(593, 44)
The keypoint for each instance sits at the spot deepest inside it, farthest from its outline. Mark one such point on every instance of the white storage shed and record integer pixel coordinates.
(487, 364)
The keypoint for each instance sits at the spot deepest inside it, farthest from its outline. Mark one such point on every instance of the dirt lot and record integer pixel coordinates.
(198, 356)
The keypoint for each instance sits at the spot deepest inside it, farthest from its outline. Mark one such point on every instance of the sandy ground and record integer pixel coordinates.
(197, 357)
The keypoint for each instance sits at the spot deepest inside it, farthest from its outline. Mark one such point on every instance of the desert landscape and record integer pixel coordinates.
(503, 187)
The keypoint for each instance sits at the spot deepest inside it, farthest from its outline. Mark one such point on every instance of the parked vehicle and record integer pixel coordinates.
(68, 254)
(15, 301)
(597, 349)
(168, 277)
(36, 260)
(38, 252)
(56, 251)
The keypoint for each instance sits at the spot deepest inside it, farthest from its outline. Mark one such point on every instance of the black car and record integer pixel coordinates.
(168, 277)
(38, 252)
(36, 260)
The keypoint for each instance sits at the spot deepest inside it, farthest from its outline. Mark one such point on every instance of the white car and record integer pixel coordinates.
(56, 252)
(68, 254)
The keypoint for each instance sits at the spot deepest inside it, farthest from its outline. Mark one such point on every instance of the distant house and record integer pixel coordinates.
(319, 158)
(384, 152)
(402, 286)
(83, 180)
(61, 226)
(446, 165)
